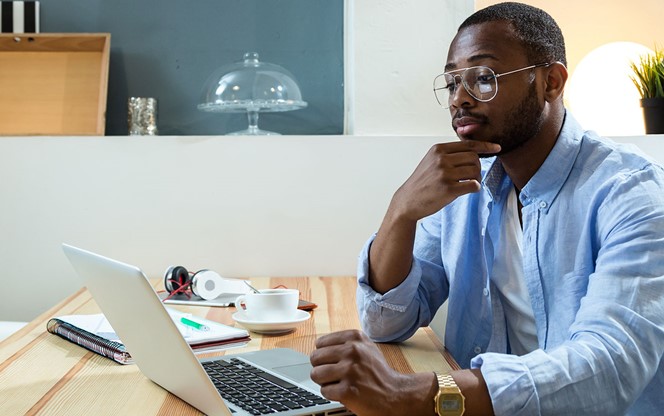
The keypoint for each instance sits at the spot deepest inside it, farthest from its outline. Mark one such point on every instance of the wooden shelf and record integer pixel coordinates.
(53, 84)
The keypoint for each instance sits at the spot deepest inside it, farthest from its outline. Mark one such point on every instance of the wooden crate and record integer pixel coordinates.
(53, 84)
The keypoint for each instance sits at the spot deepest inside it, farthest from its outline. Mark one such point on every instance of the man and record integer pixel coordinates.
(551, 253)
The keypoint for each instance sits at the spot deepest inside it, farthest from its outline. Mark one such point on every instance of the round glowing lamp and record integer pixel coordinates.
(601, 94)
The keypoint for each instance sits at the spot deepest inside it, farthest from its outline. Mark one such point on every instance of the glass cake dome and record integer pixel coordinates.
(253, 87)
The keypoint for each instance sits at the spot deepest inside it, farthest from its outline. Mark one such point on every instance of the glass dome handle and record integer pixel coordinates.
(252, 116)
(250, 58)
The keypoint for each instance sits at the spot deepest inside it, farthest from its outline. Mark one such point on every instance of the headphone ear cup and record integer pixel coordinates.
(175, 278)
(207, 284)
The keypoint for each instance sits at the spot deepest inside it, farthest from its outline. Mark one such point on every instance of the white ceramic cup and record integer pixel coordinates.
(270, 305)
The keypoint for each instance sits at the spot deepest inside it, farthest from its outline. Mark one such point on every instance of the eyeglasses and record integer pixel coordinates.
(479, 81)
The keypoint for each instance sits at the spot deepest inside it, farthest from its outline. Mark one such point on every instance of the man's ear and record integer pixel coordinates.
(556, 77)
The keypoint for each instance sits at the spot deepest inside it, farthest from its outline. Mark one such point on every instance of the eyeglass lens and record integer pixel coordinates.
(479, 81)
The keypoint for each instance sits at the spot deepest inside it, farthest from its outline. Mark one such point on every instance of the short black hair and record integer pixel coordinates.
(535, 29)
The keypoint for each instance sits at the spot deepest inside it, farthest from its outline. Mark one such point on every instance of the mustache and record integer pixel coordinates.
(466, 113)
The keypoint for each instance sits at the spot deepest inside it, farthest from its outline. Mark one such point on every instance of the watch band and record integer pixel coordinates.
(449, 401)
(446, 380)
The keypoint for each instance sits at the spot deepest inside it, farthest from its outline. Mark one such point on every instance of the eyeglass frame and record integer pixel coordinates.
(496, 76)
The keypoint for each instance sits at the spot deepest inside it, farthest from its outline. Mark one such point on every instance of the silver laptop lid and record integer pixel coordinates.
(131, 305)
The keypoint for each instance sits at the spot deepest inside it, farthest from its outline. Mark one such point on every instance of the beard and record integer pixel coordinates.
(521, 124)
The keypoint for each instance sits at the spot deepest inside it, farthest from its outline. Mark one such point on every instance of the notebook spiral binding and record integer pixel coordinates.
(107, 348)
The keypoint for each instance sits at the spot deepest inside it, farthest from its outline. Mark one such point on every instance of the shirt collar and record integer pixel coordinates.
(550, 177)
(494, 177)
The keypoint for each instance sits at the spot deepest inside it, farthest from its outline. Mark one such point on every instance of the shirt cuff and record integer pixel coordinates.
(396, 299)
(510, 384)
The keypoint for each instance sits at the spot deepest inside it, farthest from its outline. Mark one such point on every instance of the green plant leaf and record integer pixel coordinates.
(648, 74)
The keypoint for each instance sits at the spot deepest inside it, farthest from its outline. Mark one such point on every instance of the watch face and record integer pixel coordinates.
(450, 405)
(449, 402)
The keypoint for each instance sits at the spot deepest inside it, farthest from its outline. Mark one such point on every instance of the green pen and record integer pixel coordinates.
(194, 324)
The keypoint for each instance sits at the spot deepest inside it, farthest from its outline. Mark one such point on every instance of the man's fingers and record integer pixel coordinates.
(326, 355)
(339, 337)
(464, 173)
(463, 159)
(483, 148)
(475, 146)
(332, 348)
(465, 187)
(326, 374)
(334, 391)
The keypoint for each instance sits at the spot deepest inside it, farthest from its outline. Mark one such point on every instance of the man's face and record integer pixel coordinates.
(514, 116)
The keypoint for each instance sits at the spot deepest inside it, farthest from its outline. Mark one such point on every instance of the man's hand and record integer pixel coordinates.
(351, 369)
(446, 172)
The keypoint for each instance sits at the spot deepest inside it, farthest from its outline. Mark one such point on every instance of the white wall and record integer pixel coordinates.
(395, 48)
(243, 206)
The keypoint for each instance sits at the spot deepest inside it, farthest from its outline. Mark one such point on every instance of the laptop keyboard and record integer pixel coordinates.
(256, 391)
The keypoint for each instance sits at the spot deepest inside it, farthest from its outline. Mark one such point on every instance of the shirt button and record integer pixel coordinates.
(542, 204)
(477, 350)
(485, 292)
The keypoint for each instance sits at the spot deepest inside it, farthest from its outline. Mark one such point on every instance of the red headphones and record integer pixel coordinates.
(205, 283)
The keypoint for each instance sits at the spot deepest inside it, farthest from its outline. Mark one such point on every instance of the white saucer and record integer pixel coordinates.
(267, 327)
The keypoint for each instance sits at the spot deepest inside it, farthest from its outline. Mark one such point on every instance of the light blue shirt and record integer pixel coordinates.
(593, 261)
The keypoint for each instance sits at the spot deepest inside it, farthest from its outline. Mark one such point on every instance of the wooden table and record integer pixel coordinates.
(41, 373)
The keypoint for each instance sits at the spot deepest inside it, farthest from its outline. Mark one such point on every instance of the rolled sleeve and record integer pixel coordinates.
(392, 316)
(510, 384)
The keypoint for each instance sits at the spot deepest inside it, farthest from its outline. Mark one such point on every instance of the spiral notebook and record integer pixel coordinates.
(95, 333)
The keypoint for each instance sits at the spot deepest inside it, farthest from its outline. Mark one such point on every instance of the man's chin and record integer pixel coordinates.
(476, 138)
(464, 137)
(473, 135)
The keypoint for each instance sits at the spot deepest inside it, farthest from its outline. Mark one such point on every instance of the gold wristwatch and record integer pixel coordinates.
(449, 400)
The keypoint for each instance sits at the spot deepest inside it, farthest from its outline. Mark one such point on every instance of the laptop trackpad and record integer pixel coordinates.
(298, 373)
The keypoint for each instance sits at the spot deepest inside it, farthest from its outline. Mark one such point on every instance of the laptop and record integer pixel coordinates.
(161, 353)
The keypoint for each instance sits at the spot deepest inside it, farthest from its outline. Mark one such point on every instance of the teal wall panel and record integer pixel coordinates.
(167, 48)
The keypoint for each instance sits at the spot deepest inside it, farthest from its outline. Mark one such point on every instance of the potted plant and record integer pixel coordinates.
(649, 80)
